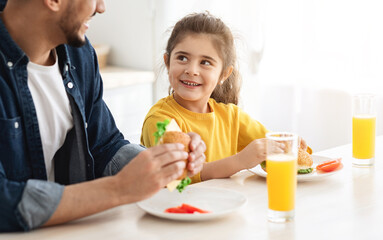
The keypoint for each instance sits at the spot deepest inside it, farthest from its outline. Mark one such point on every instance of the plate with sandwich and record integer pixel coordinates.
(307, 167)
(214, 203)
(193, 203)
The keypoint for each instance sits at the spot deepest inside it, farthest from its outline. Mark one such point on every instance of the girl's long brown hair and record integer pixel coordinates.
(197, 23)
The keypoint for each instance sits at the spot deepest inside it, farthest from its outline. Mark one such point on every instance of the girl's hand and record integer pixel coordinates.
(302, 143)
(253, 154)
(196, 156)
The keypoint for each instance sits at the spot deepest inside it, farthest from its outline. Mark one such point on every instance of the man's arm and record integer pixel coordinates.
(146, 174)
(83, 199)
(123, 156)
(31, 204)
(35, 203)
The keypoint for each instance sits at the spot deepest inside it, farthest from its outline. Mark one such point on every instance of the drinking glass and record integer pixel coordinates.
(281, 167)
(363, 129)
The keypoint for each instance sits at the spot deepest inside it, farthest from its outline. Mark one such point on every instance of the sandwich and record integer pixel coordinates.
(170, 132)
(305, 162)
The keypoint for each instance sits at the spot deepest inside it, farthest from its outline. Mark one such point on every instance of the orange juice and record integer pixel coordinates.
(363, 137)
(281, 181)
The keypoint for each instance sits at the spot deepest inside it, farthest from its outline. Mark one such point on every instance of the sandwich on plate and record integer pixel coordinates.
(305, 162)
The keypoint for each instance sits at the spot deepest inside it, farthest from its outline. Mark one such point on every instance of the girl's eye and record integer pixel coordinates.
(205, 62)
(182, 58)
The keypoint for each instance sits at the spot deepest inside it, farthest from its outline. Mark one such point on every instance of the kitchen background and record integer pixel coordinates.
(301, 61)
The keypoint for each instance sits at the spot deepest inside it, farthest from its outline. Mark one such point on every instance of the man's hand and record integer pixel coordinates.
(145, 175)
(150, 171)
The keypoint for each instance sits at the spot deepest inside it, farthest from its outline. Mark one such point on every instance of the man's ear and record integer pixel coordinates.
(53, 5)
(166, 60)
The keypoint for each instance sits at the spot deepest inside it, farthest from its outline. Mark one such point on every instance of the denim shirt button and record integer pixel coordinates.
(16, 124)
(70, 85)
(10, 64)
(66, 68)
(86, 125)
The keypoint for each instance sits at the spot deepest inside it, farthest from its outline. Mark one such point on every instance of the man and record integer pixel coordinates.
(55, 126)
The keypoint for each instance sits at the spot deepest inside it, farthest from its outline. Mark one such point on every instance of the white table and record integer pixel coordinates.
(346, 205)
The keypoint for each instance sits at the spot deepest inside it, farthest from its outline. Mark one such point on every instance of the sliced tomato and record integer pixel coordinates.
(192, 209)
(329, 166)
(185, 208)
(176, 210)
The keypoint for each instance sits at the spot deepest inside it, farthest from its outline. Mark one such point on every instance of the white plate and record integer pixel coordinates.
(313, 176)
(218, 201)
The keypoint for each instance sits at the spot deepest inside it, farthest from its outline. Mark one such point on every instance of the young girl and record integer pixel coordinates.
(201, 62)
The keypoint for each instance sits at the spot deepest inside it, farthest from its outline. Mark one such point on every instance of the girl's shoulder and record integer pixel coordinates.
(225, 107)
(229, 111)
(161, 107)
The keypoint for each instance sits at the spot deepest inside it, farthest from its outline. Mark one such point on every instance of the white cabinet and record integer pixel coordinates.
(129, 96)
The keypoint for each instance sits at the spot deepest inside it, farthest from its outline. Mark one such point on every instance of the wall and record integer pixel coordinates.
(322, 116)
(330, 43)
(127, 26)
(138, 30)
(301, 48)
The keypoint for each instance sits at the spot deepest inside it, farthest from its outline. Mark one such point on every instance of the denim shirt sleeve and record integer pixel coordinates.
(123, 156)
(2, 4)
(38, 203)
(26, 205)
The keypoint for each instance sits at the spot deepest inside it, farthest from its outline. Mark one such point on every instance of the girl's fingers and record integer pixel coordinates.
(196, 145)
(196, 166)
(195, 140)
(302, 144)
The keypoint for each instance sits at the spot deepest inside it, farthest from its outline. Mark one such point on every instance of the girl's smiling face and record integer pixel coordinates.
(195, 69)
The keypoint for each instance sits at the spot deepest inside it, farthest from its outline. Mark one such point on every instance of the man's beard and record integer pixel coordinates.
(71, 34)
(74, 40)
(71, 30)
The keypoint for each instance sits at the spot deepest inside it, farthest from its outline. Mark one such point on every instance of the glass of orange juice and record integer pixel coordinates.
(281, 167)
(363, 129)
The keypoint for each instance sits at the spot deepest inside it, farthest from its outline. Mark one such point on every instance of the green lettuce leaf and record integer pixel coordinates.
(263, 165)
(161, 128)
(182, 185)
(305, 171)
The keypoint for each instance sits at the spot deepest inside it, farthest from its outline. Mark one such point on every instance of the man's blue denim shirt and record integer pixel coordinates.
(27, 200)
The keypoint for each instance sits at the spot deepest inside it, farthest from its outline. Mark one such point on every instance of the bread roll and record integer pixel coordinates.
(304, 159)
(178, 137)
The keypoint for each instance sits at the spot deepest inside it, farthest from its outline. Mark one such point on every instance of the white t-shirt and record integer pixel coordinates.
(52, 108)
